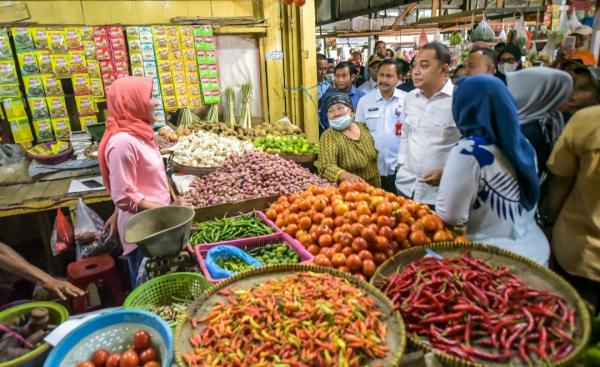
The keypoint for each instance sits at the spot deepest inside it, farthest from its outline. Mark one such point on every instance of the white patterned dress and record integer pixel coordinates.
(479, 189)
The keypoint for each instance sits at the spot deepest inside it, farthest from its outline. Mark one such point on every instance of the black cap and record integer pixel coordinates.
(339, 97)
(510, 48)
(594, 74)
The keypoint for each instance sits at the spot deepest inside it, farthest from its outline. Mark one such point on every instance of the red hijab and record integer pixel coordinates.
(127, 99)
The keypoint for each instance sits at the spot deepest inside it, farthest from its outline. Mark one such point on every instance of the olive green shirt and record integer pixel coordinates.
(338, 153)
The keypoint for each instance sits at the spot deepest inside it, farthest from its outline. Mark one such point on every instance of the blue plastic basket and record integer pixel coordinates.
(114, 331)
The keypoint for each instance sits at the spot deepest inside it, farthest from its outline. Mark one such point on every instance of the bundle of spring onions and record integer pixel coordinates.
(245, 113)
(230, 110)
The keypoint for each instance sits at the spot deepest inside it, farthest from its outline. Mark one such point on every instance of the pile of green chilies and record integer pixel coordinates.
(470, 309)
(229, 228)
(302, 319)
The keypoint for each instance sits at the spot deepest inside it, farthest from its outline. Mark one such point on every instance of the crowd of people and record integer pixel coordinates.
(512, 153)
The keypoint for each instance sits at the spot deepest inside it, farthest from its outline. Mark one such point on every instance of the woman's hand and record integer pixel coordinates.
(111, 227)
(350, 177)
(184, 201)
(432, 178)
(61, 288)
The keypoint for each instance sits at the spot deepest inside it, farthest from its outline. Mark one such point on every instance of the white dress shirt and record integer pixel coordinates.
(380, 116)
(428, 134)
(368, 86)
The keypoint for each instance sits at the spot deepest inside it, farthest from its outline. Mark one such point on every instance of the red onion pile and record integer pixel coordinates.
(251, 175)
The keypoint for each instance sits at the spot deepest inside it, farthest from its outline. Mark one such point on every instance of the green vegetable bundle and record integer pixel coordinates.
(225, 229)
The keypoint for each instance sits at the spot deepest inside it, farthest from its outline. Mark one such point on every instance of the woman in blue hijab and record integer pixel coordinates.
(490, 181)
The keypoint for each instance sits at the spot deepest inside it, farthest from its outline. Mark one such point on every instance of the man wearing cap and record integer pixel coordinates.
(581, 53)
(586, 91)
(373, 69)
(381, 110)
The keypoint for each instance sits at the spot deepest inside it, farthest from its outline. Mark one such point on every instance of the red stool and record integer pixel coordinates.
(100, 271)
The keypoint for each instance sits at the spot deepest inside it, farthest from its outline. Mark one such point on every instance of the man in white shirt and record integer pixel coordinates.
(372, 69)
(381, 110)
(428, 132)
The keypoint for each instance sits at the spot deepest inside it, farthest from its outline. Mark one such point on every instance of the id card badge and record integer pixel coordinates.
(399, 120)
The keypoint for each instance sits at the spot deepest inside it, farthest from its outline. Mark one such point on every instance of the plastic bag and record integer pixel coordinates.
(89, 228)
(521, 29)
(502, 35)
(13, 165)
(225, 251)
(62, 234)
(483, 32)
(549, 51)
(423, 38)
(574, 23)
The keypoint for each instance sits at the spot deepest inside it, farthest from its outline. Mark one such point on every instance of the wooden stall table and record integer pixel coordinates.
(41, 199)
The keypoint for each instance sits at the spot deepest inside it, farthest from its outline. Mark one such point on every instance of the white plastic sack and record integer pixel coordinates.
(574, 23)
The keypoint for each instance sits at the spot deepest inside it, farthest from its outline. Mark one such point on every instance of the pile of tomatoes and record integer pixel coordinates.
(142, 354)
(356, 227)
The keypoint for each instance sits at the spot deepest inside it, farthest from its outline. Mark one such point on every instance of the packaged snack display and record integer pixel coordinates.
(52, 85)
(86, 105)
(57, 107)
(206, 59)
(5, 50)
(10, 90)
(56, 41)
(77, 61)
(87, 33)
(61, 127)
(28, 63)
(21, 131)
(90, 49)
(73, 38)
(81, 84)
(8, 72)
(93, 68)
(14, 108)
(60, 65)
(38, 107)
(23, 39)
(43, 130)
(40, 38)
(96, 87)
(44, 62)
(86, 121)
(33, 86)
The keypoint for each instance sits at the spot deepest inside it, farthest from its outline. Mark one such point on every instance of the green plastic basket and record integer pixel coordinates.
(159, 291)
(58, 314)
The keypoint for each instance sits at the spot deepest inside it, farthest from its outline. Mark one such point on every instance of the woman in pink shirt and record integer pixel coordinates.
(130, 163)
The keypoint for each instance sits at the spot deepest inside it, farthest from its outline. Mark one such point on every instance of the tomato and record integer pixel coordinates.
(130, 358)
(351, 216)
(320, 203)
(322, 260)
(344, 187)
(386, 232)
(440, 236)
(368, 234)
(339, 221)
(359, 187)
(280, 222)
(294, 208)
(278, 208)
(299, 234)
(400, 233)
(381, 243)
(327, 251)
(338, 260)
(317, 218)
(355, 229)
(304, 223)
(368, 267)
(151, 364)
(313, 249)
(359, 244)
(86, 364)
(418, 238)
(346, 239)
(374, 218)
(325, 240)
(99, 357)
(422, 213)
(461, 239)
(394, 246)
(142, 340)
(379, 258)
(328, 211)
(365, 255)
(337, 247)
(384, 221)
(364, 219)
(113, 360)
(432, 223)
(353, 262)
(328, 222)
(340, 208)
(345, 228)
(271, 214)
(291, 229)
(359, 276)
(384, 208)
(351, 196)
(324, 229)
(291, 219)
(293, 197)
(148, 355)
(347, 251)
(344, 269)
(304, 205)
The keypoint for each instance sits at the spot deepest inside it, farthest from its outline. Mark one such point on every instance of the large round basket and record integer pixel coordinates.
(396, 335)
(299, 158)
(58, 314)
(192, 170)
(54, 158)
(531, 272)
(112, 330)
(161, 290)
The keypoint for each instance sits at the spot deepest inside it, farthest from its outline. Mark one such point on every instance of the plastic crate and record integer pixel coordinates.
(249, 244)
(260, 214)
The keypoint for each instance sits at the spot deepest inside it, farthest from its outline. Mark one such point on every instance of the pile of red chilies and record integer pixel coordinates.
(467, 308)
(303, 319)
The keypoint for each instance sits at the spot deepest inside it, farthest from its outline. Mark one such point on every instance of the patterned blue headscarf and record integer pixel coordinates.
(483, 108)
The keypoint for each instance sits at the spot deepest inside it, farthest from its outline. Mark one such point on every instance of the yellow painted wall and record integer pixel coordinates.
(131, 12)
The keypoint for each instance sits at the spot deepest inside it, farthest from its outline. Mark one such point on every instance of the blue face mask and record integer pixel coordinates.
(341, 123)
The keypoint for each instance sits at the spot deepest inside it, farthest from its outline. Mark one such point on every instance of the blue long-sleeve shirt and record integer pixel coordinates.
(354, 95)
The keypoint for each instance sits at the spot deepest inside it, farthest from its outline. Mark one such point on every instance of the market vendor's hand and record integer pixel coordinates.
(184, 201)
(62, 288)
(350, 177)
(111, 227)
(432, 178)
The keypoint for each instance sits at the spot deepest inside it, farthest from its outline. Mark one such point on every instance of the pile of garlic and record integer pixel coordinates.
(205, 149)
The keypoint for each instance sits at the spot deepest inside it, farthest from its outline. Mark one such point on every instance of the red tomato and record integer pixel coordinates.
(327, 251)
(344, 187)
(359, 244)
(359, 276)
(381, 243)
(386, 232)
(304, 223)
(368, 267)
(99, 357)
(351, 196)
(368, 234)
(355, 229)
(85, 364)
(339, 221)
(152, 364)
(328, 222)
(384, 208)
(271, 214)
(347, 251)
(353, 262)
(313, 249)
(385, 221)
(379, 258)
(346, 239)
(338, 260)
(322, 260)
(113, 360)
(365, 255)
(359, 187)
(148, 355)
(344, 269)
(400, 233)
(337, 247)
(142, 340)
(325, 240)
(129, 359)
(440, 236)
(328, 212)
(418, 238)
(364, 219)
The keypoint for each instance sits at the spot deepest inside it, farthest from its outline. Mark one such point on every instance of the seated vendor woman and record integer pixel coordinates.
(346, 149)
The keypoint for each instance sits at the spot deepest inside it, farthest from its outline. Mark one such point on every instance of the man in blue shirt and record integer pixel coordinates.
(345, 75)
(322, 83)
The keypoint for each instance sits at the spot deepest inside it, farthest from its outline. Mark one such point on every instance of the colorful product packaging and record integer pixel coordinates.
(43, 130)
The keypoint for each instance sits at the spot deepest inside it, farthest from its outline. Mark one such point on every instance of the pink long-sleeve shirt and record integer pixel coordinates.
(137, 172)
